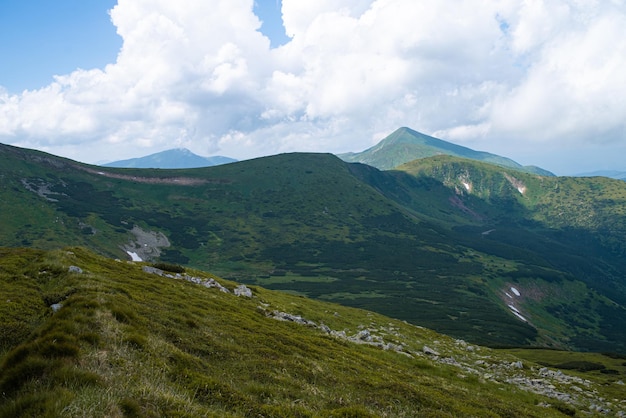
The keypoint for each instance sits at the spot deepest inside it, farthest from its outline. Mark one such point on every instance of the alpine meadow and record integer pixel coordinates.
(418, 278)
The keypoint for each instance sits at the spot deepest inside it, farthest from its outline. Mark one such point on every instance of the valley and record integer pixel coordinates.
(493, 285)
(417, 243)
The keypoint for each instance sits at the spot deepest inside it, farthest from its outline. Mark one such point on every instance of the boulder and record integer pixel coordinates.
(243, 290)
(429, 351)
(75, 269)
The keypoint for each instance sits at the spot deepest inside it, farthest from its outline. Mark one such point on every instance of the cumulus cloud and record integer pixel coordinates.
(500, 75)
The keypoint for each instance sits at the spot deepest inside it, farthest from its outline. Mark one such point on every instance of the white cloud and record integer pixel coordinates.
(495, 74)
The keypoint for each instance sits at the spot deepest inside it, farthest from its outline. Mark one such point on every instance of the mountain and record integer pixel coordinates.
(614, 174)
(173, 158)
(405, 145)
(440, 242)
(85, 335)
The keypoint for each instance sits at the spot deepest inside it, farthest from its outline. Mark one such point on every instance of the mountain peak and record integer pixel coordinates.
(171, 158)
(405, 145)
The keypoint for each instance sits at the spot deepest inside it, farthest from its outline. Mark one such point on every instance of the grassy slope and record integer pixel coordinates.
(575, 226)
(128, 343)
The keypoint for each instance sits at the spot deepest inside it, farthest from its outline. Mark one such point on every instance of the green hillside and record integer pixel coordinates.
(83, 335)
(405, 145)
(409, 244)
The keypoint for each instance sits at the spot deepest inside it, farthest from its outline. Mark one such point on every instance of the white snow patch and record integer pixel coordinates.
(513, 308)
(134, 256)
(507, 293)
(468, 186)
(519, 316)
(515, 291)
(521, 189)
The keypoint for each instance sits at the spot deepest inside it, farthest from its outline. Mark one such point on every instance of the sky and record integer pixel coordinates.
(540, 81)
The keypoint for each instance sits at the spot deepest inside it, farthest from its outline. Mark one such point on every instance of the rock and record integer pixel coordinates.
(429, 351)
(364, 335)
(208, 283)
(517, 365)
(284, 316)
(243, 290)
(152, 270)
(75, 269)
(56, 306)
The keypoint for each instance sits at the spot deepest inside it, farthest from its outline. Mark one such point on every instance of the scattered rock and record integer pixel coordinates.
(283, 316)
(364, 335)
(243, 290)
(152, 270)
(429, 351)
(517, 365)
(74, 269)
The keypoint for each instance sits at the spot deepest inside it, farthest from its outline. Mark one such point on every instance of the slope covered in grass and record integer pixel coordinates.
(124, 341)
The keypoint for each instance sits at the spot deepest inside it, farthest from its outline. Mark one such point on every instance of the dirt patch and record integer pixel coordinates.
(182, 181)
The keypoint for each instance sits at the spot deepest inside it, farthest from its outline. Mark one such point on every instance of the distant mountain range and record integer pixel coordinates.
(173, 158)
(613, 174)
(405, 145)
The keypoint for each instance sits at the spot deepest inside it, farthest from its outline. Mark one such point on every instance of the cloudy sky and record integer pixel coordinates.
(540, 81)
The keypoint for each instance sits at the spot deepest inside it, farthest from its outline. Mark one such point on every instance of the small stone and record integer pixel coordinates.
(75, 269)
(429, 351)
(517, 365)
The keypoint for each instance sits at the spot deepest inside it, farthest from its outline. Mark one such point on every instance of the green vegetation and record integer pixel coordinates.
(128, 343)
(436, 243)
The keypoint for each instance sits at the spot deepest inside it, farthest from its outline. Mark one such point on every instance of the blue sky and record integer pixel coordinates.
(41, 38)
(541, 82)
(45, 38)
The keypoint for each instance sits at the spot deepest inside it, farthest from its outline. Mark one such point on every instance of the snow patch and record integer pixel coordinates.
(521, 189)
(513, 308)
(519, 316)
(467, 186)
(516, 292)
(134, 256)
(507, 293)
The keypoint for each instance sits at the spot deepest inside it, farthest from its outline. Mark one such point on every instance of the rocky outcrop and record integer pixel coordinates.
(147, 244)
(210, 283)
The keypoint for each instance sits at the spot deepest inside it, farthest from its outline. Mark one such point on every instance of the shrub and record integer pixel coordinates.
(582, 366)
(172, 268)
